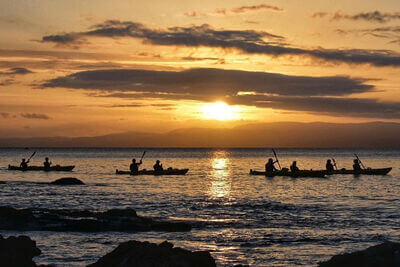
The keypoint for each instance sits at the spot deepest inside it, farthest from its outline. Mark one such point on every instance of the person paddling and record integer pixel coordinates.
(158, 167)
(329, 166)
(356, 165)
(46, 163)
(134, 167)
(24, 164)
(293, 167)
(269, 166)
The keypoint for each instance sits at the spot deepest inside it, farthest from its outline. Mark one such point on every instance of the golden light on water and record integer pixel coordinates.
(220, 175)
(220, 111)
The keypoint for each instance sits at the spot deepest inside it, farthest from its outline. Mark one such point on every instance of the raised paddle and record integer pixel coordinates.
(144, 152)
(33, 154)
(334, 163)
(359, 161)
(277, 160)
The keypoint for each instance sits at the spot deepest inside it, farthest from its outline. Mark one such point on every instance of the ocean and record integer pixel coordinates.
(240, 219)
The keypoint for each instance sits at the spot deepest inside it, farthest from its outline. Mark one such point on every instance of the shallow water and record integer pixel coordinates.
(237, 217)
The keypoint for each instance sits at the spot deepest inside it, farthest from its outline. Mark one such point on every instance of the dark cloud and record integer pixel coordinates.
(244, 9)
(247, 41)
(214, 82)
(264, 90)
(16, 71)
(233, 11)
(339, 106)
(391, 33)
(336, 106)
(35, 116)
(374, 16)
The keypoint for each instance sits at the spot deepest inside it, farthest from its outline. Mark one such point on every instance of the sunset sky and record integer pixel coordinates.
(93, 67)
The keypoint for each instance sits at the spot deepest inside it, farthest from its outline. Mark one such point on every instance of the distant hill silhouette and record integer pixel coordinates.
(279, 134)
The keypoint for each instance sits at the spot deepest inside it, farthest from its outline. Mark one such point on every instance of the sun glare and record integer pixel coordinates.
(220, 111)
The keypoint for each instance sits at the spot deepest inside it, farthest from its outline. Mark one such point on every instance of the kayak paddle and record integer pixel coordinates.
(360, 161)
(33, 154)
(277, 160)
(144, 152)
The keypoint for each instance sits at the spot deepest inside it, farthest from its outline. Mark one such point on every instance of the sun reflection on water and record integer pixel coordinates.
(220, 186)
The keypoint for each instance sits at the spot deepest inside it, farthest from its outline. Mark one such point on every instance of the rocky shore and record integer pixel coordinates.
(145, 254)
(19, 252)
(383, 255)
(122, 220)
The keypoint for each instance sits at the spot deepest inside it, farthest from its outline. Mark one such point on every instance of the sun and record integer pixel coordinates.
(220, 111)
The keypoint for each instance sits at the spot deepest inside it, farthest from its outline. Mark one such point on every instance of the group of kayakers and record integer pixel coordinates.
(330, 167)
(134, 167)
(158, 167)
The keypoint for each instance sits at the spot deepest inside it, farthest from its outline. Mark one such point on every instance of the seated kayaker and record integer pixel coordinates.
(158, 167)
(356, 165)
(134, 167)
(329, 166)
(293, 167)
(269, 166)
(24, 164)
(46, 163)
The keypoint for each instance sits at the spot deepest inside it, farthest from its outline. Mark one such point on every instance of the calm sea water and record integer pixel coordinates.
(239, 218)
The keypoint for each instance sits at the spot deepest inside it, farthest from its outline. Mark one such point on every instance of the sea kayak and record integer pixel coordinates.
(369, 171)
(152, 172)
(56, 168)
(286, 172)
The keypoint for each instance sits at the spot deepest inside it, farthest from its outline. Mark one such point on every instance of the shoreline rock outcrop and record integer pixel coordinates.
(384, 255)
(121, 220)
(145, 254)
(18, 251)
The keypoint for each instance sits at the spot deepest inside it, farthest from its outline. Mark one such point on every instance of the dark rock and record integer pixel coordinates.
(2, 182)
(145, 254)
(122, 220)
(17, 251)
(68, 181)
(384, 255)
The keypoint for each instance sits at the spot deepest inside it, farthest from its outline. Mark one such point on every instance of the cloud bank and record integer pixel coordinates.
(245, 41)
(373, 16)
(327, 95)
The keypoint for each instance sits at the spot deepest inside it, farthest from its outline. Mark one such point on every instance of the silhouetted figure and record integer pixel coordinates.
(356, 165)
(158, 167)
(24, 164)
(329, 166)
(134, 167)
(269, 166)
(46, 163)
(293, 167)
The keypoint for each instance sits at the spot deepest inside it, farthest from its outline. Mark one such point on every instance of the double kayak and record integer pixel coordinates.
(368, 171)
(152, 172)
(286, 172)
(56, 168)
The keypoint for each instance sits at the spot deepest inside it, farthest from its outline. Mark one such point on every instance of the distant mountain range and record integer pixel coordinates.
(277, 134)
